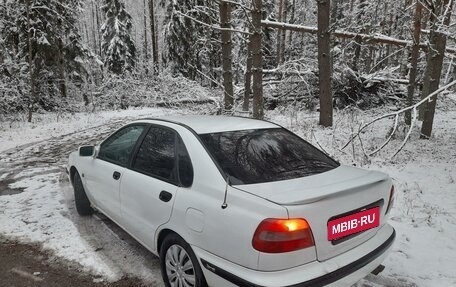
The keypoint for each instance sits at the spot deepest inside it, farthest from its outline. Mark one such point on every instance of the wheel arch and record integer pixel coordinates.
(162, 235)
(73, 171)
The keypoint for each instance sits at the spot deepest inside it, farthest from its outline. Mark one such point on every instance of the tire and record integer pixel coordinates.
(178, 264)
(80, 197)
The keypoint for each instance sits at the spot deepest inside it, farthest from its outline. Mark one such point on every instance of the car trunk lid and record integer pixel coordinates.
(320, 198)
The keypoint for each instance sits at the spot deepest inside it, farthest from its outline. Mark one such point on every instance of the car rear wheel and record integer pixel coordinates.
(80, 197)
(179, 266)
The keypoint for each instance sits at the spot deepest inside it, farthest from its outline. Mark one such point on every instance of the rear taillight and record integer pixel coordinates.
(391, 200)
(282, 235)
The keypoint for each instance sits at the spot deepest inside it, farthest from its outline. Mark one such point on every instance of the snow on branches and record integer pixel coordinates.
(117, 45)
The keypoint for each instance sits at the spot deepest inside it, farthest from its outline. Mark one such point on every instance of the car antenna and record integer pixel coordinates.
(225, 205)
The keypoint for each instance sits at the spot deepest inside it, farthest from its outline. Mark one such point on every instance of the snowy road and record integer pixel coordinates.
(37, 206)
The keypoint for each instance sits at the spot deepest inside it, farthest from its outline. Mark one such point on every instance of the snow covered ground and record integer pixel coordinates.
(36, 202)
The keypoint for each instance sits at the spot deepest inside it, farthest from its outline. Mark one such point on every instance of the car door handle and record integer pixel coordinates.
(116, 175)
(165, 196)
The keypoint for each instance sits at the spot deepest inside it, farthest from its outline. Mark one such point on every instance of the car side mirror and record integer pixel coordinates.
(87, 151)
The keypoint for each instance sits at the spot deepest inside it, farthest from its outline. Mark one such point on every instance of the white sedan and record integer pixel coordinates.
(230, 201)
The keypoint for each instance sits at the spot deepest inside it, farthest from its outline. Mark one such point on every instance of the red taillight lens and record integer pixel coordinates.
(391, 200)
(282, 235)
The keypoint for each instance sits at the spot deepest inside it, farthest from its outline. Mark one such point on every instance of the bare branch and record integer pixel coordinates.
(396, 120)
(408, 133)
(397, 113)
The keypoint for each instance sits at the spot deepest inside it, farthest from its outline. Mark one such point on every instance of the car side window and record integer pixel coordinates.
(185, 165)
(119, 147)
(157, 155)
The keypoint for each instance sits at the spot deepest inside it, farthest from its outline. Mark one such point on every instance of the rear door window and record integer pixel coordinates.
(265, 155)
(157, 155)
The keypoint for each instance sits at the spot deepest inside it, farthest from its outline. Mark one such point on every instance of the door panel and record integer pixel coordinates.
(149, 188)
(142, 209)
(103, 188)
(104, 173)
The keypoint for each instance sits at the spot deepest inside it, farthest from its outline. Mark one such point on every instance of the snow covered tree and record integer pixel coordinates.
(118, 47)
(42, 40)
(192, 46)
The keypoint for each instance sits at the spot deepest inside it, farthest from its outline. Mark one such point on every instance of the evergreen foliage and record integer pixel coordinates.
(118, 48)
(191, 46)
(57, 49)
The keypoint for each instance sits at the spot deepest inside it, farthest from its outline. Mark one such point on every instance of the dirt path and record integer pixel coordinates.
(25, 265)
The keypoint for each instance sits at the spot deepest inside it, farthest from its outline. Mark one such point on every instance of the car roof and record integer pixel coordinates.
(204, 124)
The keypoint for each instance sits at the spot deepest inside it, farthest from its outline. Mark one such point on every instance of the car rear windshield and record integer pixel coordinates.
(265, 155)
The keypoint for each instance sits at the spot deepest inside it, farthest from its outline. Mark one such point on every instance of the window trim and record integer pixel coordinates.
(180, 141)
(140, 138)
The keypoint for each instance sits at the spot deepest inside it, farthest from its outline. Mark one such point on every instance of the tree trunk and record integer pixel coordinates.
(94, 32)
(257, 60)
(283, 34)
(358, 40)
(153, 35)
(225, 23)
(357, 54)
(386, 31)
(279, 34)
(248, 78)
(454, 73)
(146, 55)
(334, 10)
(97, 14)
(86, 30)
(292, 20)
(31, 70)
(61, 70)
(437, 41)
(414, 55)
(324, 63)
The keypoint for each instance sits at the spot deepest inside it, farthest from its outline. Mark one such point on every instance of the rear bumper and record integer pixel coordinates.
(329, 273)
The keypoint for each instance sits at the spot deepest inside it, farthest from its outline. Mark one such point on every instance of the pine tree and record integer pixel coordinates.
(43, 38)
(191, 46)
(118, 48)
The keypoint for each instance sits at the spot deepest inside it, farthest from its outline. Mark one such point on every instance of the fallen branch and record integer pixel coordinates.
(368, 38)
(396, 115)
(186, 102)
(382, 79)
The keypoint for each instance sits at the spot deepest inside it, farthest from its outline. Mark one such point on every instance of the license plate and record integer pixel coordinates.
(353, 223)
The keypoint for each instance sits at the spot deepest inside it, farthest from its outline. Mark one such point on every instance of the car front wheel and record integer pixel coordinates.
(179, 266)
